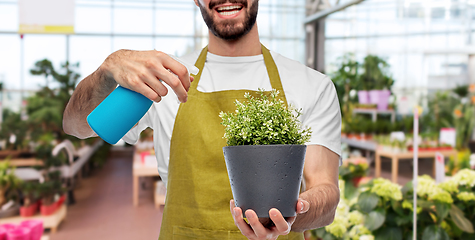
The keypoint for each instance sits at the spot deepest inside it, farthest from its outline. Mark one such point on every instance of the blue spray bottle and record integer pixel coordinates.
(121, 110)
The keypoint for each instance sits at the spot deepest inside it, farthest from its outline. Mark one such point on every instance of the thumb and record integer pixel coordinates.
(302, 206)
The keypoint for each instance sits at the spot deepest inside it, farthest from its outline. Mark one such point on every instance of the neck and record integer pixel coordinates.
(247, 45)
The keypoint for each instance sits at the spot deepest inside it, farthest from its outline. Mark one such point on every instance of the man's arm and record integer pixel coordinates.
(322, 195)
(139, 71)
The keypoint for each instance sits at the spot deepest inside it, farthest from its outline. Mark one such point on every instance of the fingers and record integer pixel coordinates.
(178, 79)
(255, 230)
(302, 206)
(239, 221)
(282, 225)
(259, 230)
(140, 71)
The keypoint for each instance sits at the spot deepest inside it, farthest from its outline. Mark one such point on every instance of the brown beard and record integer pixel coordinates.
(228, 30)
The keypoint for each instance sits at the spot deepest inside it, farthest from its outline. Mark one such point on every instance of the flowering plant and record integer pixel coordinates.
(263, 120)
(384, 210)
(353, 169)
(461, 187)
(348, 223)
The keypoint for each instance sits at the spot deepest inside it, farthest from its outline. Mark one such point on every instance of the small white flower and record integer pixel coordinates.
(366, 237)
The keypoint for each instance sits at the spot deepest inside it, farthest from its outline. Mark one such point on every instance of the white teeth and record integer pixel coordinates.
(228, 13)
(227, 8)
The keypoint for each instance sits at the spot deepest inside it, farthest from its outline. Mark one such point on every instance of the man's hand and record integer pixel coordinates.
(141, 71)
(254, 230)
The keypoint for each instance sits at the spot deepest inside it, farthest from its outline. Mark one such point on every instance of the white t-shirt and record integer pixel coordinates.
(304, 88)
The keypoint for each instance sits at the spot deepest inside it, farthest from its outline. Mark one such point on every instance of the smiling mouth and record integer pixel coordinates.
(229, 10)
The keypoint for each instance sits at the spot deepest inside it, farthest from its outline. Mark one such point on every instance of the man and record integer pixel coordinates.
(188, 135)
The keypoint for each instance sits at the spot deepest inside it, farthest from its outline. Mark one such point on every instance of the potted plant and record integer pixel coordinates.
(265, 154)
(376, 77)
(8, 181)
(353, 170)
(30, 199)
(47, 191)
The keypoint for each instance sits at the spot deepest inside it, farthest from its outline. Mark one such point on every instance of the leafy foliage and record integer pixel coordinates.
(8, 180)
(45, 108)
(263, 121)
(13, 125)
(444, 211)
(375, 74)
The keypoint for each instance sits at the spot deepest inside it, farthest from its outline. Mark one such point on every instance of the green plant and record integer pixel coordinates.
(262, 121)
(461, 187)
(375, 74)
(45, 108)
(30, 192)
(461, 91)
(346, 79)
(13, 125)
(353, 168)
(8, 180)
(464, 124)
(461, 161)
(382, 210)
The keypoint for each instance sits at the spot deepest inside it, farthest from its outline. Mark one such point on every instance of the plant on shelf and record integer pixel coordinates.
(376, 77)
(345, 79)
(30, 193)
(45, 108)
(8, 180)
(439, 114)
(376, 73)
(52, 188)
(461, 161)
(13, 131)
(464, 124)
(353, 170)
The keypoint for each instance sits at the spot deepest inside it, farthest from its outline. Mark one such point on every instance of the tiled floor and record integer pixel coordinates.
(104, 210)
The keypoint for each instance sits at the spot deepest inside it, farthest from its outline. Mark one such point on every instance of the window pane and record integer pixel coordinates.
(171, 21)
(39, 47)
(89, 52)
(132, 20)
(93, 19)
(10, 61)
(177, 46)
(132, 43)
(8, 17)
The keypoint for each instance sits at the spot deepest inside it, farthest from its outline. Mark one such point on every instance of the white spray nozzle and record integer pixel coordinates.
(190, 67)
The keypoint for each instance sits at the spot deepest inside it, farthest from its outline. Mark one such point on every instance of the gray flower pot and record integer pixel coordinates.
(265, 176)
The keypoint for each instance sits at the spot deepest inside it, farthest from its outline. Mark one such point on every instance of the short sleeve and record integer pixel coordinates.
(324, 117)
(133, 135)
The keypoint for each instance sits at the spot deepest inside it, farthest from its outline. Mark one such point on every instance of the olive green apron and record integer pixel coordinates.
(197, 203)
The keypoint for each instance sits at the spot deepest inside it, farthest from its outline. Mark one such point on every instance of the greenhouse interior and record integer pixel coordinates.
(398, 112)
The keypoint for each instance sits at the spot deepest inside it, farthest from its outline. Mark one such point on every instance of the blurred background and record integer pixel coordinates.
(385, 57)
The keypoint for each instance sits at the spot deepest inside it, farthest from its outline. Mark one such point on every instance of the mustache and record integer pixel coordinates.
(213, 4)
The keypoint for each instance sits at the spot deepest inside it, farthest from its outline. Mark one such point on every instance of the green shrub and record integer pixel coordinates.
(263, 121)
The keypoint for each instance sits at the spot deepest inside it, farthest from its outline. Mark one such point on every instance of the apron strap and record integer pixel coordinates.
(273, 73)
(271, 67)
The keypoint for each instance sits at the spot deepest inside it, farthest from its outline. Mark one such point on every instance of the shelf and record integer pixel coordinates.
(366, 145)
(49, 222)
(375, 112)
